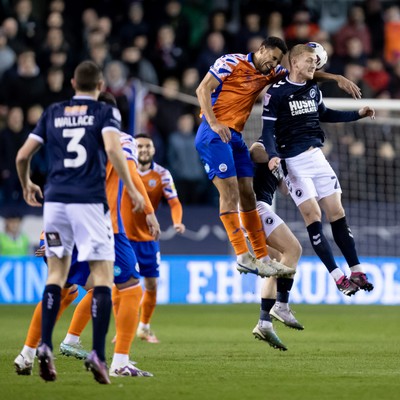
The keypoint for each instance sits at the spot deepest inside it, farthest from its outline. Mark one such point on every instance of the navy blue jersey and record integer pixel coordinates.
(292, 113)
(72, 131)
(264, 182)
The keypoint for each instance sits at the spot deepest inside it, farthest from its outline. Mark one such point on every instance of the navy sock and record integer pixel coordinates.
(321, 245)
(266, 305)
(101, 312)
(345, 241)
(284, 285)
(50, 305)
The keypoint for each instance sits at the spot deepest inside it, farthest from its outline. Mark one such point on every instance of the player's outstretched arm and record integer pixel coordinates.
(117, 158)
(345, 84)
(23, 162)
(204, 91)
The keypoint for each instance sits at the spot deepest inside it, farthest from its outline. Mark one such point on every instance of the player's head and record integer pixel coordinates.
(88, 78)
(146, 149)
(303, 61)
(270, 54)
(107, 98)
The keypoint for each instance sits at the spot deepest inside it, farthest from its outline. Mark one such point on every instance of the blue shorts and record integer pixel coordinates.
(223, 159)
(79, 270)
(126, 263)
(148, 256)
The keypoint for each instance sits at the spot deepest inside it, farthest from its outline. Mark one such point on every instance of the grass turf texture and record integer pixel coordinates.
(208, 352)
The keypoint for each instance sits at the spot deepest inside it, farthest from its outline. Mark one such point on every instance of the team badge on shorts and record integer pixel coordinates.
(117, 270)
(298, 192)
(207, 168)
(223, 167)
(53, 239)
(269, 221)
(313, 93)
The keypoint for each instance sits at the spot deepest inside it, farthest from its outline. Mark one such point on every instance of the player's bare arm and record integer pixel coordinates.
(345, 84)
(204, 91)
(117, 158)
(23, 161)
(367, 112)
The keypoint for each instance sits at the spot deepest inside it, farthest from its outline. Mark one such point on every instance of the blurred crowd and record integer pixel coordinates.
(171, 44)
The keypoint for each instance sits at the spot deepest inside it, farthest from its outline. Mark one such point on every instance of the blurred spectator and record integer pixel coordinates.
(138, 66)
(134, 26)
(23, 84)
(168, 58)
(274, 25)
(54, 42)
(354, 27)
(375, 22)
(169, 108)
(7, 54)
(190, 81)
(39, 161)
(116, 83)
(10, 29)
(184, 163)
(375, 75)
(254, 44)
(29, 34)
(11, 139)
(13, 242)
(251, 27)
(99, 54)
(354, 72)
(392, 34)
(213, 49)
(301, 29)
(218, 22)
(56, 89)
(394, 86)
(148, 126)
(174, 17)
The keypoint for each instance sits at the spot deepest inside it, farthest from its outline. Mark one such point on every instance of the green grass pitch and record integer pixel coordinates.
(208, 352)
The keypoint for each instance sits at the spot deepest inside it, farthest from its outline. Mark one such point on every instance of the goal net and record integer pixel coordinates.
(365, 156)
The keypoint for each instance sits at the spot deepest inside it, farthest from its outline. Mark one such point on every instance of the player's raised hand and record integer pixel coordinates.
(273, 163)
(223, 131)
(154, 226)
(349, 87)
(137, 200)
(180, 228)
(31, 192)
(367, 112)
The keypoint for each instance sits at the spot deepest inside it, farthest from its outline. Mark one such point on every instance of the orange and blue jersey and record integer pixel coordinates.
(158, 183)
(240, 85)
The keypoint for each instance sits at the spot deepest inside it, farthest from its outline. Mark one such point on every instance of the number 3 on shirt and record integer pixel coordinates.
(73, 146)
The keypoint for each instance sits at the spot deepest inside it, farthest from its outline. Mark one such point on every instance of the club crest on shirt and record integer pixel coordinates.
(152, 182)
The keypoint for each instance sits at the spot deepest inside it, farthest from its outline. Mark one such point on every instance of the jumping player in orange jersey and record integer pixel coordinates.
(226, 96)
(158, 183)
(127, 292)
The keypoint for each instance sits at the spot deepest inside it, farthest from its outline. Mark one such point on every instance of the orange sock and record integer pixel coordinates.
(35, 328)
(234, 231)
(116, 300)
(127, 317)
(253, 225)
(68, 295)
(82, 315)
(148, 305)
